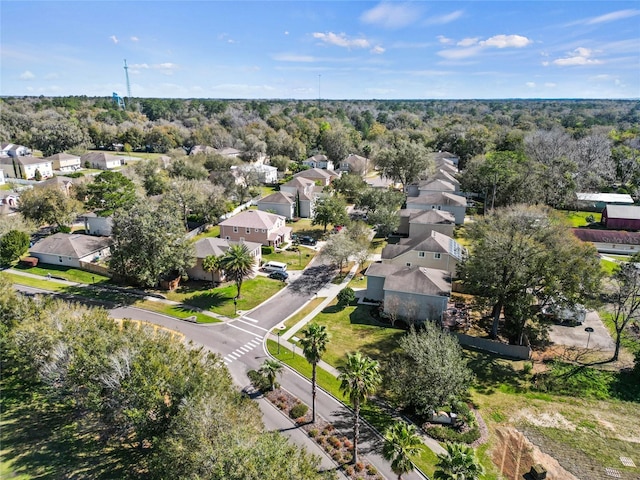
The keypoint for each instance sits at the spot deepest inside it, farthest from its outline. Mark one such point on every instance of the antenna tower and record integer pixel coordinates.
(126, 73)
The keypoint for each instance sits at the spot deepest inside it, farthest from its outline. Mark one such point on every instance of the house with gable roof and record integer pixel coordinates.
(414, 293)
(355, 164)
(70, 249)
(280, 203)
(101, 160)
(265, 228)
(621, 217)
(304, 192)
(217, 247)
(25, 167)
(446, 201)
(319, 161)
(14, 150)
(322, 177)
(414, 223)
(431, 250)
(65, 162)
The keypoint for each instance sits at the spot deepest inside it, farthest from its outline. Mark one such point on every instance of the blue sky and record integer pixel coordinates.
(327, 49)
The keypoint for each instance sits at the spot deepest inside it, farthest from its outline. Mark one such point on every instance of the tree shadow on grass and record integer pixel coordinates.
(207, 300)
(492, 372)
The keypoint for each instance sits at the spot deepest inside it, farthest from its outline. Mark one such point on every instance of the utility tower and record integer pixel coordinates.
(126, 73)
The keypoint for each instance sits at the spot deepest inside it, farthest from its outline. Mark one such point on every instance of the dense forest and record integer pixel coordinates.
(571, 144)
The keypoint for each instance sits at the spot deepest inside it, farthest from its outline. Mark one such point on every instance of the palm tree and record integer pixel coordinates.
(213, 264)
(314, 345)
(401, 442)
(237, 264)
(359, 377)
(269, 370)
(459, 463)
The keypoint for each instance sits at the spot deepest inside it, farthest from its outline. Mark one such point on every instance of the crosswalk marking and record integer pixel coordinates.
(250, 319)
(252, 325)
(246, 348)
(242, 329)
(255, 343)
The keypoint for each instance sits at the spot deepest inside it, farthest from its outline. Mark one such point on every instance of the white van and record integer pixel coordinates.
(274, 267)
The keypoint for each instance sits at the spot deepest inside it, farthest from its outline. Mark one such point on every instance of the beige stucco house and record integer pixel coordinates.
(217, 247)
(65, 162)
(25, 167)
(101, 160)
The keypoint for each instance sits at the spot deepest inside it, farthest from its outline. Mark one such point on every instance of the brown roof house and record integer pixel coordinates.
(217, 247)
(449, 202)
(621, 217)
(440, 181)
(322, 177)
(414, 223)
(355, 164)
(415, 294)
(265, 228)
(431, 250)
(65, 162)
(610, 241)
(280, 203)
(70, 249)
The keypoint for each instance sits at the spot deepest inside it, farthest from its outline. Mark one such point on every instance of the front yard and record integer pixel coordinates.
(295, 260)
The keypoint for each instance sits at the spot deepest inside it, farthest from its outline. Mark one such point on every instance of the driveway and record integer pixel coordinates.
(578, 337)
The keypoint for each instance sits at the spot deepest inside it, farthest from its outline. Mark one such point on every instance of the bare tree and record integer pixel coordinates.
(625, 298)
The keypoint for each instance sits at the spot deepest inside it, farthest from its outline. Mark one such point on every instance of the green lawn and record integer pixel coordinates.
(212, 232)
(608, 266)
(295, 260)
(353, 328)
(220, 300)
(6, 186)
(66, 273)
(178, 311)
(304, 227)
(306, 310)
(34, 282)
(579, 219)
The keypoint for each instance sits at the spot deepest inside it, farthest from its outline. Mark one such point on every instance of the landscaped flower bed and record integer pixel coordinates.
(337, 446)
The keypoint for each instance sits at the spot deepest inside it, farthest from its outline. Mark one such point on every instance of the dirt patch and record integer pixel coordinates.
(545, 419)
(514, 455)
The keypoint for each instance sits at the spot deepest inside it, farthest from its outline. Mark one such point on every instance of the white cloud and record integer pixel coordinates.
(531, 84)
(444, 19)
(27, 75)
(504, 41)
(391, 15)
(613, 16)
(341, 40)
(459, 53)
(134, 39)
(443, 39)
(378, 50)
(114, 39)
(286, 32)
(467, 42)
(580, 56)
(292, 57)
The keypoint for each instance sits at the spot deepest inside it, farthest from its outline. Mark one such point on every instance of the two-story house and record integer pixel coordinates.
(319, 161)
(449, 202)
(65, 162)
(257, 226)
(354, 164)
(414, 223)
(14, 150)
(433, 250)
(25, 167)
(304, 193)
(280, 203)
(318, 175)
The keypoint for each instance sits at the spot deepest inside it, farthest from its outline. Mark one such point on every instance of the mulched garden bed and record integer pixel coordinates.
(337, 446)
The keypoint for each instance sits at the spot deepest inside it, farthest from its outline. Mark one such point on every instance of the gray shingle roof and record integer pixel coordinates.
(417, 280)
(628, 212)
(253, 219)
(434, 242)
(71, 245)
(218, 246)
(277, 197)
(438, 198)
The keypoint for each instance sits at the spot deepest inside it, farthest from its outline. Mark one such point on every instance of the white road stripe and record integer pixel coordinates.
(245, 349)
(228, 359)
(234, 355)
(250, 319)
(242, 329)
(252, 325)
(254, 343)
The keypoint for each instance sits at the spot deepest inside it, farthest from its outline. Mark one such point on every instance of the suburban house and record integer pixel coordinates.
(280, 203)
(65, 184)
(25, 167)
(413, 293)
(621, 217)
(13, 150)
(265, 173)
(446, 157)
(610, 241)
(265, 228)
(304, 192)
(355, 164)
(319, 161)
(70, 249)
(228, 152)
(206, 247)
(196, 149)
(65, 162)
(97, 225)
(449, 202)
(436, 186)
(414, 223)
(431, 250)
(318, 175)
(441, 181)
(101, 160)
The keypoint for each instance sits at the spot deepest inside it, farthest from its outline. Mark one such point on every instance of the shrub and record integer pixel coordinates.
(327, 429)
(260, 383)
(313, 433)
(349, 471)
(359, 466)
(447, 434)
(64, 229)
(13, 245)
(298, 410)
(335, 442)
(337, 456)
(347, 443)
(267, 250)
(527, 368)
(346, 296)
(371, 470)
